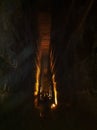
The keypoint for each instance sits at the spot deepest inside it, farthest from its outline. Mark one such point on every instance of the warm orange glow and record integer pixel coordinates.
(44, 39)
(37, 81)
(55, 90)
(44, 22)
(44, 26)
(51, 61)
(53, 106)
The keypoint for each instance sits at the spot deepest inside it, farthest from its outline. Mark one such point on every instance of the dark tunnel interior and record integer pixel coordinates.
(73, 40)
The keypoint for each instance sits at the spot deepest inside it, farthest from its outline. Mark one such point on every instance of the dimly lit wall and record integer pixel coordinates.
(17, 41)
(74, 41)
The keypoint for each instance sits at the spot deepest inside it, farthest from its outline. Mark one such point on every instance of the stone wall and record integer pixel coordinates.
(17, 41)
(74, 44)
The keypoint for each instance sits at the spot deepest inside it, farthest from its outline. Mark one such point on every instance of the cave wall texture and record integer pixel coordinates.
(17, 41)
(73, 39)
